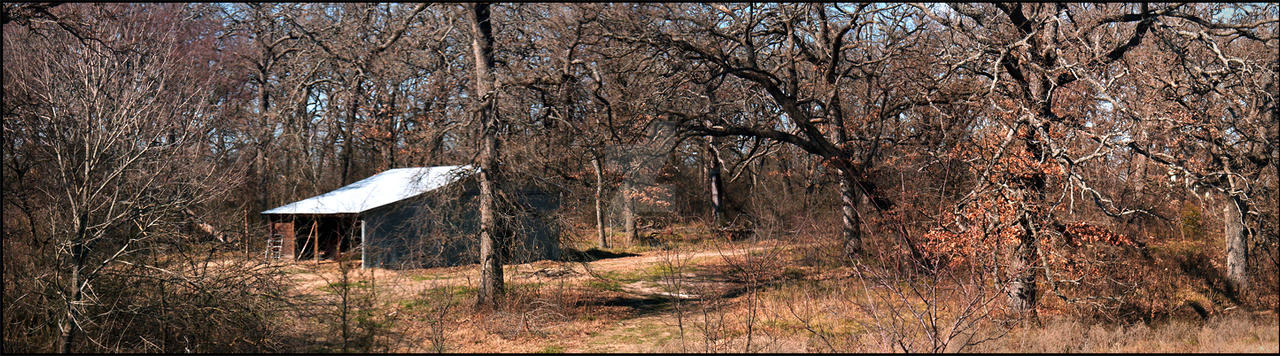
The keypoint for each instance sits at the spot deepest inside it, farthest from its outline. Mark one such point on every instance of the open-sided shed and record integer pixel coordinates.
(406, 218)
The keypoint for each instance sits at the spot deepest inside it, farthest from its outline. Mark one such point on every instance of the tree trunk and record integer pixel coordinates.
(628, 213)
(490, 260)
(491, 283)
(1023, 291)
(263, 103)
(595, 163)
(1237, 236)
(393, 128)
(717, 184)
(849, 213)
(348, 145)
(303, 124)
(1022, 283)
(258, 169)
(68, 325)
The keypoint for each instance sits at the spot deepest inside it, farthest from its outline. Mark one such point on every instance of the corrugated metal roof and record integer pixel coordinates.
(381, 189)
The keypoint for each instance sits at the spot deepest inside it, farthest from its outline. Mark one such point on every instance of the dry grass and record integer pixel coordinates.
(796, 307)
(1238, 332)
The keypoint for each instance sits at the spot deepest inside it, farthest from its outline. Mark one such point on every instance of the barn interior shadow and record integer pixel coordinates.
(591, 255)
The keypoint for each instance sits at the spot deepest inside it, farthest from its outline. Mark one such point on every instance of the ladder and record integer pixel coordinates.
(275, 243)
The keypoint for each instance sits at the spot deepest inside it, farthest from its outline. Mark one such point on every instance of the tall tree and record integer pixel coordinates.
(485, 113)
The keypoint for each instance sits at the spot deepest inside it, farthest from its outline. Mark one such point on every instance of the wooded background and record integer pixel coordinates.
(141, 140)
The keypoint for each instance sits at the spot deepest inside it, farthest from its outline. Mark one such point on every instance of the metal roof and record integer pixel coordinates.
(380, 189)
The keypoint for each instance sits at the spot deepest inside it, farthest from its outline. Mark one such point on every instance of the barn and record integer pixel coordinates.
(408, 218)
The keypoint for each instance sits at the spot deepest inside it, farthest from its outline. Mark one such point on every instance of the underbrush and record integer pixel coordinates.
(827, 317)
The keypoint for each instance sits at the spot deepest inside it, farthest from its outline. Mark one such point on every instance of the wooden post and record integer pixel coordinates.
(315, 240)
(271, 231)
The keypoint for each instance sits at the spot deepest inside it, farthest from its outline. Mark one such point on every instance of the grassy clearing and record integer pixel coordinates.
(640, 335)
(797, 307)
(427, 277)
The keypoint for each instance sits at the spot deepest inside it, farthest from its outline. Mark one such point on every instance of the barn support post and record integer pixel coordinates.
(315, 240)
(293, 225)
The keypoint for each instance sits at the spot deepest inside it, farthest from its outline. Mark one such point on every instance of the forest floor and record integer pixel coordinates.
(694, 298)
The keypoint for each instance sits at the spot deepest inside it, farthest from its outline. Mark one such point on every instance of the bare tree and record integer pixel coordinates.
(1036, 64)
(484, 98)
(816, 65)
(119, 128)
(1211, 116)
